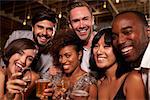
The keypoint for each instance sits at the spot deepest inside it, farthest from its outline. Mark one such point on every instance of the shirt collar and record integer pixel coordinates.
(145, 63)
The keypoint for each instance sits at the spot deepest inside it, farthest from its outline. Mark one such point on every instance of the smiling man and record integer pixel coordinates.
(43, 29)
(131, 37)
(81, 20)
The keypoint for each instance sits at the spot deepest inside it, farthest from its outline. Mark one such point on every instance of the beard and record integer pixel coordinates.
(43, 48)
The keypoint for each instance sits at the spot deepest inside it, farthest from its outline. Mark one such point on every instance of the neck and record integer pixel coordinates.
(111, 72)
(76, 73)
(89, 41)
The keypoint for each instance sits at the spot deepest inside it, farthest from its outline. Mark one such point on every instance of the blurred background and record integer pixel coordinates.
(17, 14)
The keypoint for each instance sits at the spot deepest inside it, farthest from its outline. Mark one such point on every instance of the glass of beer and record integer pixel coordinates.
(42, 84)
(79, 95)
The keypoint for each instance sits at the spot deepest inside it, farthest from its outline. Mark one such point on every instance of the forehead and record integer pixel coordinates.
(125, 20)
(79, 11)
(30, 51)
(68, 48)
(126, 16)
(45, 23)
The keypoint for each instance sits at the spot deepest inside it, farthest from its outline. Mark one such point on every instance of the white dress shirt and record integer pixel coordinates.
(145, 64)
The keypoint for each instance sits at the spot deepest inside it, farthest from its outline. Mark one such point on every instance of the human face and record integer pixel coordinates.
(81, 21)
(21, 59)
(69, 58)
(103, 54)
(130, 36)
(43, 31)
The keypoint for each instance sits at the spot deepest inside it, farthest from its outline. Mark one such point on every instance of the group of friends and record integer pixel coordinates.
(114, 61)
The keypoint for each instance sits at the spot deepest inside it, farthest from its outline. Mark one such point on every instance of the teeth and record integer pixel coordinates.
(65, 66)
(20, 66)
(127, 49)
(100, 59)
(82, 30)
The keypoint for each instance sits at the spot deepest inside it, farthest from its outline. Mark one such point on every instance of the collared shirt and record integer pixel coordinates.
(145, 65)
(85, 60)
(45, 60)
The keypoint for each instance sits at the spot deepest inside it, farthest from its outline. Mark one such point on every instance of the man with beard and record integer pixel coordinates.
(131, 37)
(81, 20)
(43, 29)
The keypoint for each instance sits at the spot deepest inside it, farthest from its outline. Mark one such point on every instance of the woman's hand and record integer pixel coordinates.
(48, 91)
(15, 85)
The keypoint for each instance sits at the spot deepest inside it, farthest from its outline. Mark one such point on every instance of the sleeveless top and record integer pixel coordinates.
(120, 95)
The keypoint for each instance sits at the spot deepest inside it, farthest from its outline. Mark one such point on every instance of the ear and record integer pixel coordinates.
(148, 31)
(92, 20)
(80, 54)
(70, 26)
(32, 28)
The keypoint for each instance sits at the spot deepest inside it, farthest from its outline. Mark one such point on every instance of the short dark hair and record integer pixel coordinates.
(63, 39)
(77, 3)
(44, 14)
(140, 15)
(15, 46)
(108, 39)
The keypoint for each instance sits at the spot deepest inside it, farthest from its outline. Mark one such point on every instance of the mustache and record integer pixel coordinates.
(46, 36)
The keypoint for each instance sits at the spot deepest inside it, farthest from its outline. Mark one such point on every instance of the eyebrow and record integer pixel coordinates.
(124, 28)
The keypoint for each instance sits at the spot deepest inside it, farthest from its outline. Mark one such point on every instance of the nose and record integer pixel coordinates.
(23, 59)
(63, 60)
(121, 38)
(100, 50)
(81, 24)
(44, 31)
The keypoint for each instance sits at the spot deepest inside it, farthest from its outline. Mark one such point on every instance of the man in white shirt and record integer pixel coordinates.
(131, 37)
(81, 20)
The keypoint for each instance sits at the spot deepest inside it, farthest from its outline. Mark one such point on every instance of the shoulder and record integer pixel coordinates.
(134, 81)
(2, 70)
(134, 76)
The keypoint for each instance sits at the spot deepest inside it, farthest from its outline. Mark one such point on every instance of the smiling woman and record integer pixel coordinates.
(19, 54)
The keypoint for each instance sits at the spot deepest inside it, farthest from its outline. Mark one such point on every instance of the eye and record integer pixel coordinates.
(67, 55)
(106, 46)
(114, 36)
(127, 31)
(20, 52)
(50, 29)
(30, 59)
(40, 27)
(96, 45)
(75, 20)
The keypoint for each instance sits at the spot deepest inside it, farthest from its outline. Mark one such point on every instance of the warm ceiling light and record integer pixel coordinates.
(24, 22)
(117, 1)
(28, 17)
(104, 5)
(60, 15)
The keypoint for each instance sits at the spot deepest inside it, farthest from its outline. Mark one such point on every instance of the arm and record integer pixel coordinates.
(93, 92)
(134, 87)
(2, 78)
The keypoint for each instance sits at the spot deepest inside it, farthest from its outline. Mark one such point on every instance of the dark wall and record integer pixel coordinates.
(7, 26)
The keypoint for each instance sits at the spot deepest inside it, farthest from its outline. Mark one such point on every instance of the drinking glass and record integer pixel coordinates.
(62, 85)
(26, 76)
(79, 95)
(42, 84)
